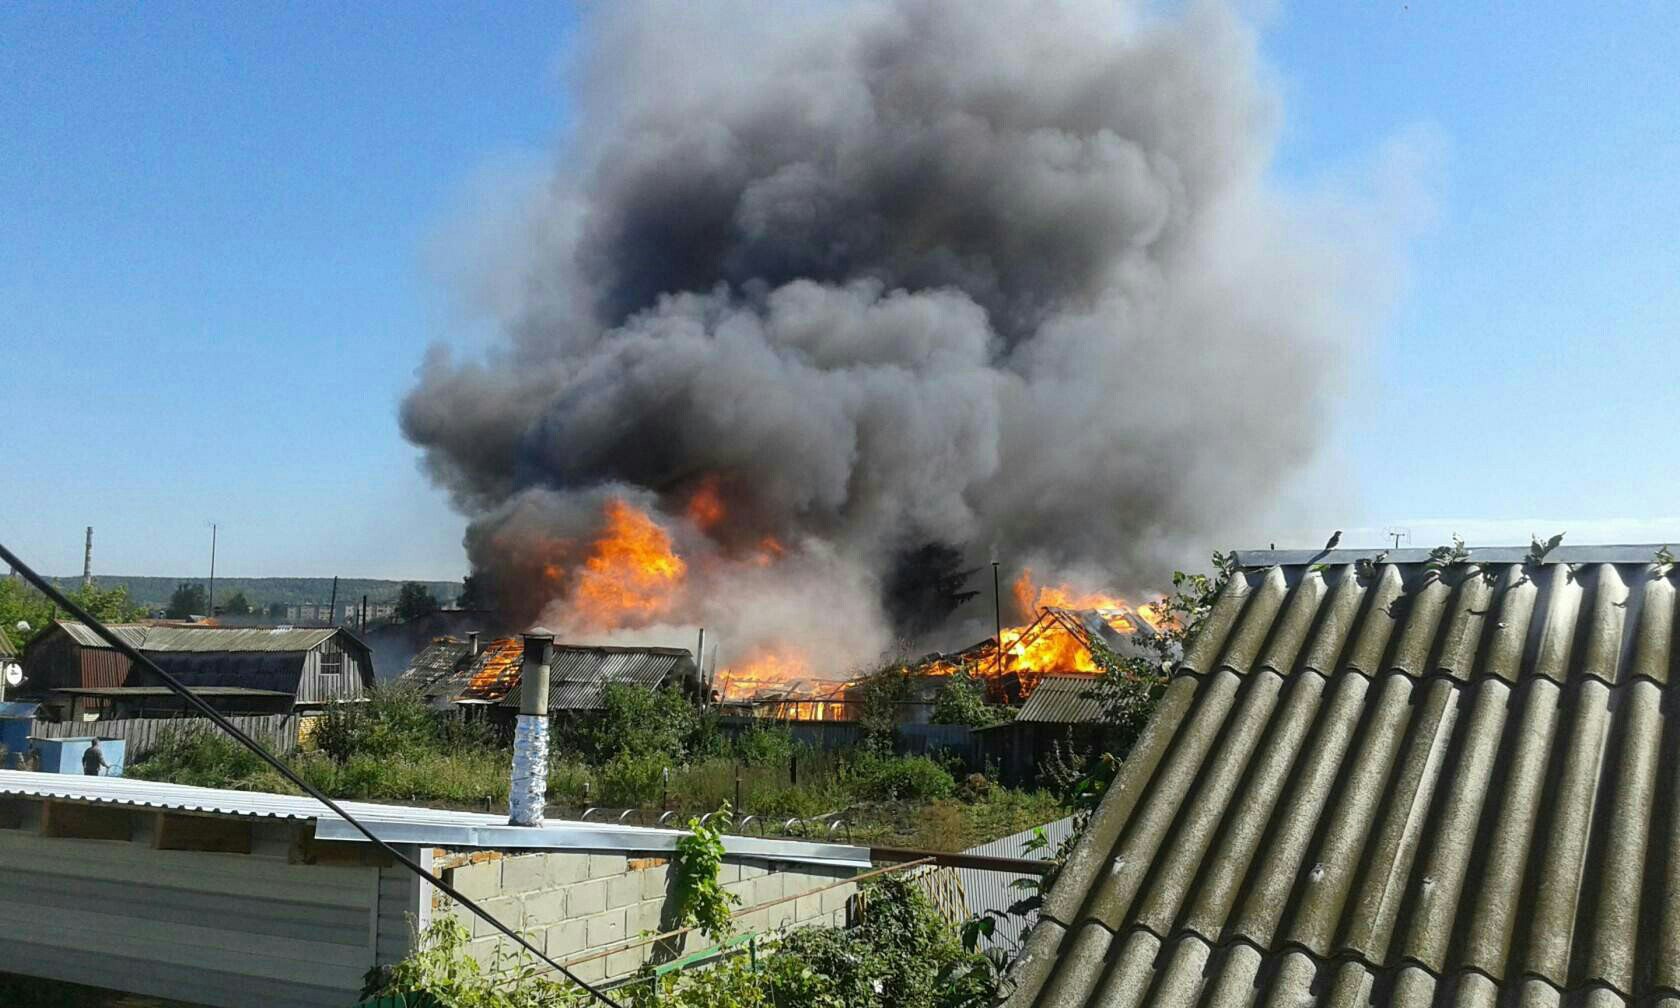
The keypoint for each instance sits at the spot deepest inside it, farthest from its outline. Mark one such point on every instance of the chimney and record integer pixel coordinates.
(530, 735)
(87, 559)
(472, 641)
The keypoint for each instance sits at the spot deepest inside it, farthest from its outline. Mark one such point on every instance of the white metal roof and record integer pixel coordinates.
(406, 824)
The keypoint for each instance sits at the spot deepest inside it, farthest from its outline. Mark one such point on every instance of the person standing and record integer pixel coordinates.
(93, 761)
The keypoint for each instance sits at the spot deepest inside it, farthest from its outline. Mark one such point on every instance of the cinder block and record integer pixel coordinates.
(729, 871)
(768, 887)
(591, 970)
(625, 962)
(566, 868)
(586, 898)
(648, 915)
(807, 907)
(544, 907)
(479, 881)
(526, 873)
(654, 882)
(753, 869)
(602, 865)
(604, 929)
(485, 949)
(835, 899)
(566, 938)
(623, 890)
(506, 909)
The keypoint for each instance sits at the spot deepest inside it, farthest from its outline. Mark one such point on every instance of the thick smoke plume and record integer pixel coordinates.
(825, 293)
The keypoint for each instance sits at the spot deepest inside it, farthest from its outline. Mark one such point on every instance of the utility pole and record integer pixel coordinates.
(332, 606)
(210, 597)
(997, 617)
(87, 560)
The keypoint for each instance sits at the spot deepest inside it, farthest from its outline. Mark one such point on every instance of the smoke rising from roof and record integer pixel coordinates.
(1006, 277)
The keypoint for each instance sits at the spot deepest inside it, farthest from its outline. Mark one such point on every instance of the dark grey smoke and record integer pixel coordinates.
(1008, 276)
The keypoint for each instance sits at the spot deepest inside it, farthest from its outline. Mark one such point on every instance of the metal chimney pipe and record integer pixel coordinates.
(529, 792)
(472, 639)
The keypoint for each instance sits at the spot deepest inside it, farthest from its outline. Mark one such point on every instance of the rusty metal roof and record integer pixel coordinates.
(440, 658)
(1390, 785)
(1062, 699)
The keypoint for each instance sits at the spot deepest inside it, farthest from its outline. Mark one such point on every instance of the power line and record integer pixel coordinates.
(133, 654)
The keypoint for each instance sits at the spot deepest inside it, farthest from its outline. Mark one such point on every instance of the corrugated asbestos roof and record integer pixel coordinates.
(401, 824)
(7, 651)
(578, 675)
(436, 660)
(203, 639)
(1062, 699)
(1393, 787)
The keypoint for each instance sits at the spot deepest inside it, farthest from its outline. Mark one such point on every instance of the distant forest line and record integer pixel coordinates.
(154, 592)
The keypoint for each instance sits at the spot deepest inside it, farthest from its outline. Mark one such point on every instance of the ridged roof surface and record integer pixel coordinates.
(436, 660)
(1062, 699)
(1387, 785)
(579, 674)
(6, 650)
(203, 639)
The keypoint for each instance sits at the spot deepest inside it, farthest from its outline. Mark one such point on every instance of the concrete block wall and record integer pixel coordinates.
(589, 911)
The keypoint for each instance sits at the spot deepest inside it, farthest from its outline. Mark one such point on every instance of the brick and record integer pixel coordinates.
(602, 865)
(479, 881)
(505, 909)
(646, 863)
(586, 898)
(654, 882)
(526, 873)
(623, 890)
(604, 929)
(544, 907)
(566, 938)
(564, 869)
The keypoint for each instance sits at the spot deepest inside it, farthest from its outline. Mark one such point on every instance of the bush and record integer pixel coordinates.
(900, 778)
(759, 746)
(961, 700)
(632, 779)
(638, 720)
(193, 752)
(441, 969)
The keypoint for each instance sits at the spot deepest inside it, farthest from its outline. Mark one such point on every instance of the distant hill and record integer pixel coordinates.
(154, 592)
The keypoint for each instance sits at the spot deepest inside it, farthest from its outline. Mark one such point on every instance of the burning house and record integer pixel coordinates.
(464, 674)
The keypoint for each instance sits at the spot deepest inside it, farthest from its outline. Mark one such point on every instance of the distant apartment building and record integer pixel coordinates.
(324, 612)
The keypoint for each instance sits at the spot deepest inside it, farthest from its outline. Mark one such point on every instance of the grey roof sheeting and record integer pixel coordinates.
(1062, 699)
(7, 651)
(403, 824)
(436, 660)
(578, 674)
(1393, 787)
(204, 639)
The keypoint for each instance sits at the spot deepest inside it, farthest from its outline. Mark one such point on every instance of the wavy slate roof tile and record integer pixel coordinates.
(1395, 787)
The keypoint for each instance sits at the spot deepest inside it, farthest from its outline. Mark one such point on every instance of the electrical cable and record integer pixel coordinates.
(133, 654)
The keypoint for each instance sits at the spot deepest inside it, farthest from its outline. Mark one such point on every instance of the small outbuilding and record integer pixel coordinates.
(76, 675)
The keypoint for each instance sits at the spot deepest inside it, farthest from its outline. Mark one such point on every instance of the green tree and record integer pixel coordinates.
(19, 603)
(415, 600)
(473, 594)
(189, 599)
(961, 700)
(239, 605)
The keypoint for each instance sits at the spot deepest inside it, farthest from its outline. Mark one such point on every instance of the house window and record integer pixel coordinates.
(332, 662)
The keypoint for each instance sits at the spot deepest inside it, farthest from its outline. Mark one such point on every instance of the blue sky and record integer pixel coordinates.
(220, 229)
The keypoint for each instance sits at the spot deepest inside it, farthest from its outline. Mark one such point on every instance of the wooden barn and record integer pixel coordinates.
(76, 674)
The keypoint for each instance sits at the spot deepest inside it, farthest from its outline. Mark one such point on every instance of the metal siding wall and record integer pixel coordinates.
(218, 929)
(277, 731)
(399, 908)
(103, 667)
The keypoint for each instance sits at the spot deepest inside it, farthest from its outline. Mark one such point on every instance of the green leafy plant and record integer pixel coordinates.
(961, 700)
(1537, 550)
(701, 900)
(1442, 557)
(441, 973)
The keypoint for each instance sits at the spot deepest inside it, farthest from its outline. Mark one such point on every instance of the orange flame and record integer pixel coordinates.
(631, 573)
(705, 507)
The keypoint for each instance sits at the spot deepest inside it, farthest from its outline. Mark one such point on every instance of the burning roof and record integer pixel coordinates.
(447, 672)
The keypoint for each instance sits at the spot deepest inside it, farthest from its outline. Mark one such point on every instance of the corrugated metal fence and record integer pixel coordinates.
(279, 732)
(989, 890)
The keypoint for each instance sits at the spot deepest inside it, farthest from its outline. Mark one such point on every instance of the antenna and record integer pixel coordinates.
(1397, 533)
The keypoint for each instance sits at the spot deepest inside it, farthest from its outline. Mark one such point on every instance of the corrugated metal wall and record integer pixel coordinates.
(994, 891)
(216, 929)
(277, 731)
